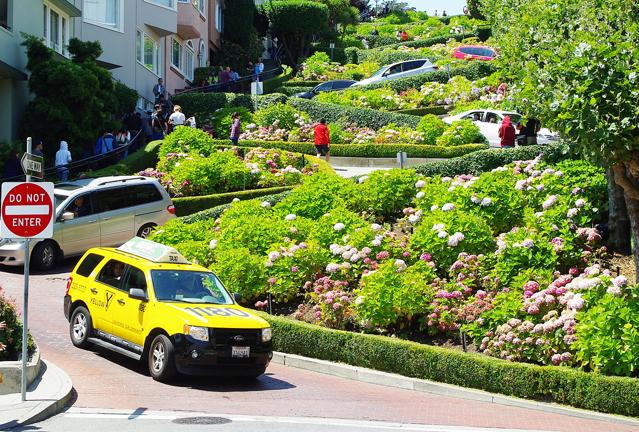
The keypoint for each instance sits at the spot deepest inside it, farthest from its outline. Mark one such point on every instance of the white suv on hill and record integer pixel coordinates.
(399, 70)
(106, 211)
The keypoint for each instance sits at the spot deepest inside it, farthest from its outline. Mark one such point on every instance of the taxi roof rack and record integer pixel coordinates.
(153, 251)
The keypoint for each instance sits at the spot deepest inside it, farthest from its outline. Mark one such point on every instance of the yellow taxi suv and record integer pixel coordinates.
(146, 301)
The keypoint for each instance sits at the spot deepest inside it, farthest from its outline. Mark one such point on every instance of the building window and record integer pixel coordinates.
(106, 13)
(219, 19)
(189, 61)
(56, 29)
(166, 3)
(4, 14)
(200, 5)
(176, 54)
(148, 52)
(202, 54)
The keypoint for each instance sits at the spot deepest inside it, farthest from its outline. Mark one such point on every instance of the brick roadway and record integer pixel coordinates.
(105, 380)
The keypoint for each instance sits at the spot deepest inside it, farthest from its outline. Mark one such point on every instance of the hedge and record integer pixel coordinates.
(215, 212)
(618, 395)
(271, 84)
(473, 71)
(185, 206)
(137, 161)
(292, 91)
(436, 110)
(364, 117)
(486, 160)
(302, 83)
(372, 54)
(202, 105)
(365, 150)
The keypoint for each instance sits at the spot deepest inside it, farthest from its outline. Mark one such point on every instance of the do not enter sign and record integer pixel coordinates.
(27, 210)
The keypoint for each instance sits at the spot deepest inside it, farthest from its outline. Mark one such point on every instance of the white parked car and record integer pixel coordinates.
(106, 211)
(399, 70)
(489, 121)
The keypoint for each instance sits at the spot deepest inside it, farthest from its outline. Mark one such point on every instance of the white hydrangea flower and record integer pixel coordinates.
(290, 217)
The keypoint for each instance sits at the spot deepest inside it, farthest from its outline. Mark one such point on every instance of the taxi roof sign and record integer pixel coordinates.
(153, 251)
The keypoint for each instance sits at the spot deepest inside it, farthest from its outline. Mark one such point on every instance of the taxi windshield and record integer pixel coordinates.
(189, 287)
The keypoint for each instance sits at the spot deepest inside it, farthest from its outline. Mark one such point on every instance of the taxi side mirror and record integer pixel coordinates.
(138, 294)
(67, 216)
(237, 297)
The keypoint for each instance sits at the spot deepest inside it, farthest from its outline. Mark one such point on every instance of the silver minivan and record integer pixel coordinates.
(106, 211)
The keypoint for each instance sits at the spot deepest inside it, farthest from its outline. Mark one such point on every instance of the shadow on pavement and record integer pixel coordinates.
(63, 267)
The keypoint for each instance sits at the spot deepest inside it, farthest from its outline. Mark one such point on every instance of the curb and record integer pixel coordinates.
(420, 385)
(44, 405)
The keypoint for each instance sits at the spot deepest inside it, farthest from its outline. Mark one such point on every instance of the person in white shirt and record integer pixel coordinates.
(177, 118)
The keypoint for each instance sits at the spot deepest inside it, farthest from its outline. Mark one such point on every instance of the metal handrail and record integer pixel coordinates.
(219, 87)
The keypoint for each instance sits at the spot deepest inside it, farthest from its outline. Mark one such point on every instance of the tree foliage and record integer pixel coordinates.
(576, 67)
(74, 101)
(475, 9)
(294, 22)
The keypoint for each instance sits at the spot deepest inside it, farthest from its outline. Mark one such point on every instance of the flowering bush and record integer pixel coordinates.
(461, 132)
(431, 127)
(186, 140)
(10, 330)
(222, 119)
(385, 193)
(319, 67)
(241, 270)
(328, 304)
(282, 116)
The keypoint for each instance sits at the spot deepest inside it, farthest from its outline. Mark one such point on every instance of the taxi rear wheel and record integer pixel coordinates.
(80, 327)
(161, 359)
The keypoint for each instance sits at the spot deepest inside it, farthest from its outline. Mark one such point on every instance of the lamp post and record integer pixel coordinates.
(332, 47)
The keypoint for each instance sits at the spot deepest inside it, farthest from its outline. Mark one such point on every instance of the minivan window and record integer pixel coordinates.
(113, 199)
(143, 194)
(80, 206)
(88, 264)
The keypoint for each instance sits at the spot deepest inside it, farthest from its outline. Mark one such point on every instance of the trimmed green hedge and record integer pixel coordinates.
(292, 91)
(365, 150)
(271, 84)
(364, 117)
(137, 161)
(203, 104)
(215, 212)
(486, 160)
(436, 110)
(618, 395)
(301, 83)
(185, 206)
(473, 71)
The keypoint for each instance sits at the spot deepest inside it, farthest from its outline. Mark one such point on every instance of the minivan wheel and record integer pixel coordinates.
(161, 359)
(45, 255)
(80, 327)
(146, 230)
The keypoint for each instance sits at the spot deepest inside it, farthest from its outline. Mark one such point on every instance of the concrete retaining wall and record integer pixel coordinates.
(10, 373)
(378, 162)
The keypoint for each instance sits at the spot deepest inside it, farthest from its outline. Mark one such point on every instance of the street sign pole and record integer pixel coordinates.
(25, 303)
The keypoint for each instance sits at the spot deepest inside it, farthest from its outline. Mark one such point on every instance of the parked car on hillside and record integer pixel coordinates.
(326, 87)
(489, 121)
(106, 211)
(475, 52)
(399, 70)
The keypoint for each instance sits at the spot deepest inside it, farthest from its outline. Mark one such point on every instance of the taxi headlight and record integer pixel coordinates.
(267, 334)
(197, 333)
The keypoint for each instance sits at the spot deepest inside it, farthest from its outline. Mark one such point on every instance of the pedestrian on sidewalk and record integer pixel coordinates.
(507, 133)
(62, 161)
(259, 69)
(39, 149)
(236, 128)
(322, 140)
(176, 119)
(157, 124)
(12, 167)
(159, 90)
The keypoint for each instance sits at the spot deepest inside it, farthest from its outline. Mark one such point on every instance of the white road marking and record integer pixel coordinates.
(87, 413)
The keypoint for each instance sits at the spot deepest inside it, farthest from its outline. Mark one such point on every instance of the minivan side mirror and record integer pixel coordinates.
(237, 297)
(67, 216)
(138, 294)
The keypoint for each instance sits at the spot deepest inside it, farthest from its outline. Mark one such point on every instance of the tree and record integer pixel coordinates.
(294, 22)
(74, 100)
(576, 65)
(474, 9)
(361, 5)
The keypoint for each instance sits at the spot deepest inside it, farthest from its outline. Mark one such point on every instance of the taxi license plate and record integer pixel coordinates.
(240, 352)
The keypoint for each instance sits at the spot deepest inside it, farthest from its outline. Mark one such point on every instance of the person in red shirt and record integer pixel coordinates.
(404, 36)
(507, 133)
(322, 140)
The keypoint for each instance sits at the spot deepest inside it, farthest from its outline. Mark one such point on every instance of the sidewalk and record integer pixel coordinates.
(46, 397)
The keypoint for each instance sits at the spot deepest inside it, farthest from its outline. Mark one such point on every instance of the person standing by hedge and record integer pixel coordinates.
(62, 161)
(236, 128)
(322, 140)
(507, 133)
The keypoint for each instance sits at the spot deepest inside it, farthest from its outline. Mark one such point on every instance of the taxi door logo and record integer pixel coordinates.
(109, 296)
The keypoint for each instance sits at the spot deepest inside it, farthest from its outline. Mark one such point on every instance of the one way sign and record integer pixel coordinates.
(33, 165)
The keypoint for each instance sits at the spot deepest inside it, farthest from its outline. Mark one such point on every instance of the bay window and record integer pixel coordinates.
(107, 13)
(148, 52)
(183, 58)
(56, 29)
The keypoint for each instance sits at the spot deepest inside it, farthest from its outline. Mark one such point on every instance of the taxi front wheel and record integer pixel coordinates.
(162, 359)
(80, 327)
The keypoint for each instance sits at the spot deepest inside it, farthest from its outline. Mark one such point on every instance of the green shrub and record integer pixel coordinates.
(386, 193)
(176, 232)
(282, 115)
(139, 160)
(461, 132)
(210, 214)
(292, 91)
(219, 172)
(188, 205)
(365, 150)
(186, 140)
(432, 127)
(242, 271)
(486, 160)
(222, 119)
(360, 116)
(267, 100)
(436, 110)
(446, 234)
(545, 383)
(201, 105)
(271, 84)
(301, 83)
(11, 331)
